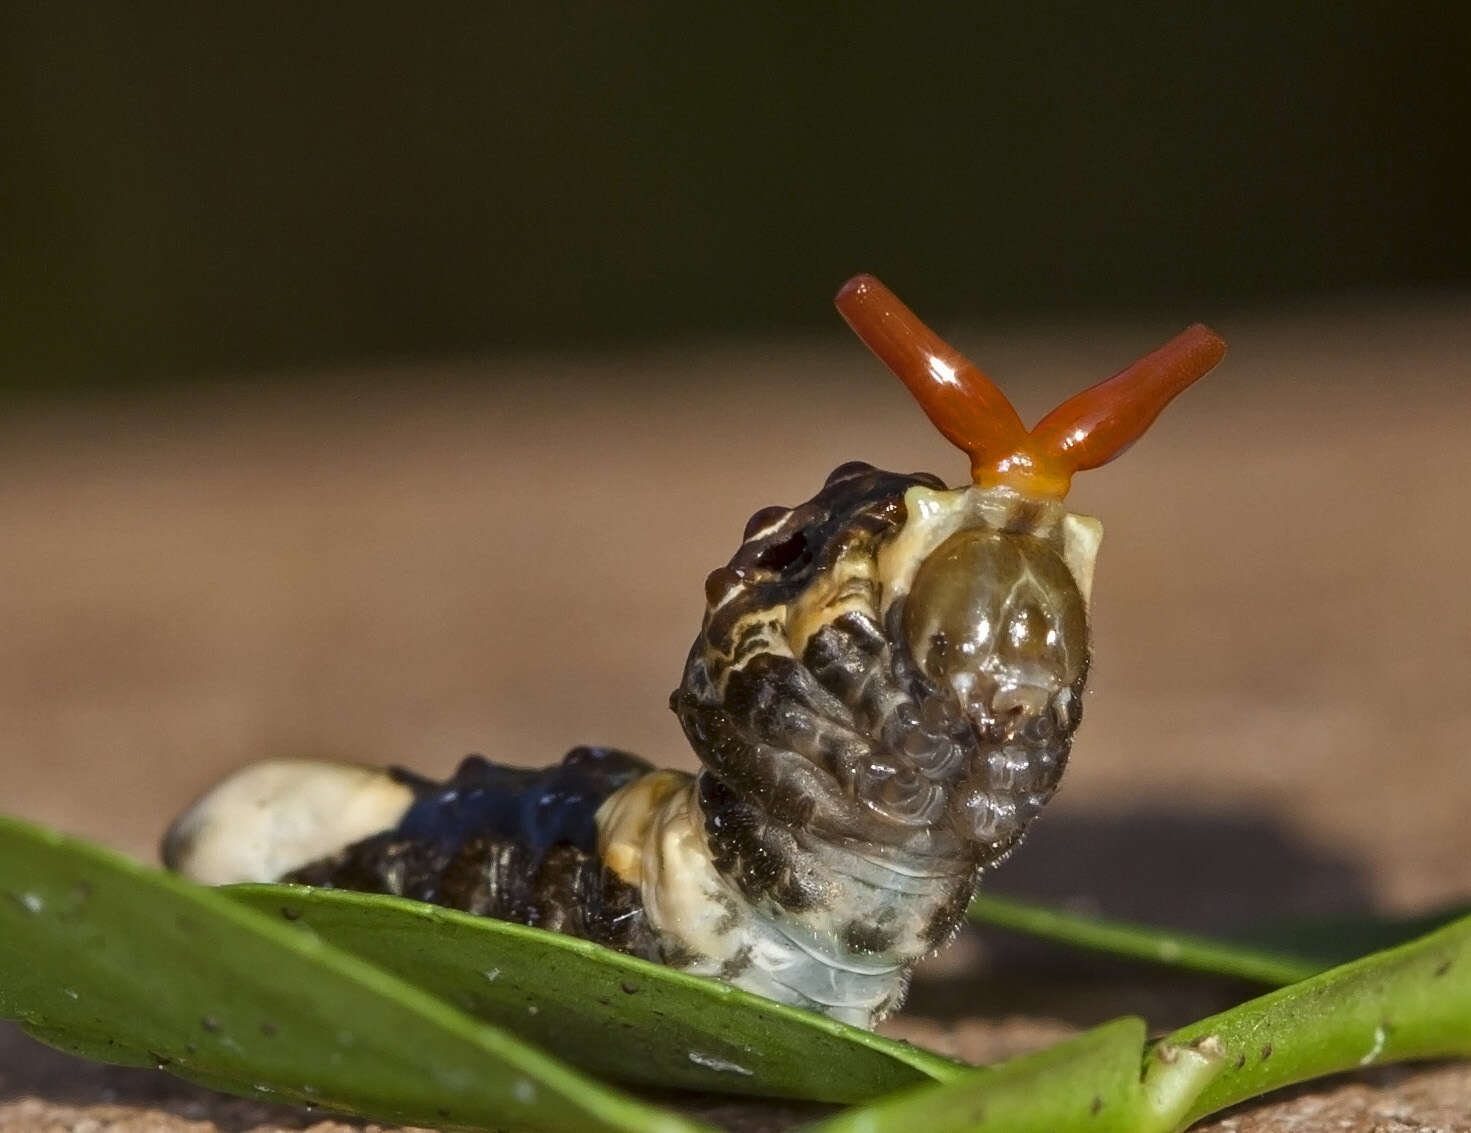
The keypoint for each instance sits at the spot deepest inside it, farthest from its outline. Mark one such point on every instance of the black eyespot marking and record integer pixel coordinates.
(790, 552)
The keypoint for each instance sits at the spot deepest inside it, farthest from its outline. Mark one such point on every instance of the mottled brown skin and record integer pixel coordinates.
(564, 889)
(853, 748)
(852, 745)
(882, 696)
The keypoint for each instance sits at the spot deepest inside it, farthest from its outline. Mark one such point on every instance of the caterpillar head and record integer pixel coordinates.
(902, 662)
(996, 609)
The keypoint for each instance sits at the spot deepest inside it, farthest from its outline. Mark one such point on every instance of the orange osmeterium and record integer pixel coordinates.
(1086, 430)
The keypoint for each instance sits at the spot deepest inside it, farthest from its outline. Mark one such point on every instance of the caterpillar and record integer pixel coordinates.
(882, 695)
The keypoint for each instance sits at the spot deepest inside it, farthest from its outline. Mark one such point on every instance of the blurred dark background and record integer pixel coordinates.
(202, 190)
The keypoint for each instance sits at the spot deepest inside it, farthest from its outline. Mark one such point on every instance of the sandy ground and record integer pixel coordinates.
(405, 565)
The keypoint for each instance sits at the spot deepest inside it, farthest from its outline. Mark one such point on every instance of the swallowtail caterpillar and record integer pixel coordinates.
(883, 695)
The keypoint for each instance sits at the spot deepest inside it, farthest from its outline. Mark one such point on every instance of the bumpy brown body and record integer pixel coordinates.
(827, 739)
(562, 888)
(883, 696)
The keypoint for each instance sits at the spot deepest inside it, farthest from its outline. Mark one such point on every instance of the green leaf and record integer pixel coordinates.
(102, 956)
(611, 1014)
(1409, 1002)
(296, 994)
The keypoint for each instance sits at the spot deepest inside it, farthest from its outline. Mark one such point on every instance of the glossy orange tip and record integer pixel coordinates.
(1086, 430)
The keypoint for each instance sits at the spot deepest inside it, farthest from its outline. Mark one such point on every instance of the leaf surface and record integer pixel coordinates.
(611, 1014)
(106, 958)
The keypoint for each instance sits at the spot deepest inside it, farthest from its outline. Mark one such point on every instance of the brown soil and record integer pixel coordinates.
(407, 565)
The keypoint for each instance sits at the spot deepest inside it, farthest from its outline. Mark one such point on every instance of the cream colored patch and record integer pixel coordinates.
(1081, 536)
(682, 890)
(652, 834)
(851, 584)
(276, 816)
(933, 516)
(625, 817)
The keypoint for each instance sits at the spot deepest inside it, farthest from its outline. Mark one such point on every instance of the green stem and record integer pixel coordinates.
(1411, 1002)
(1091, 1081)
(1142, 942)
